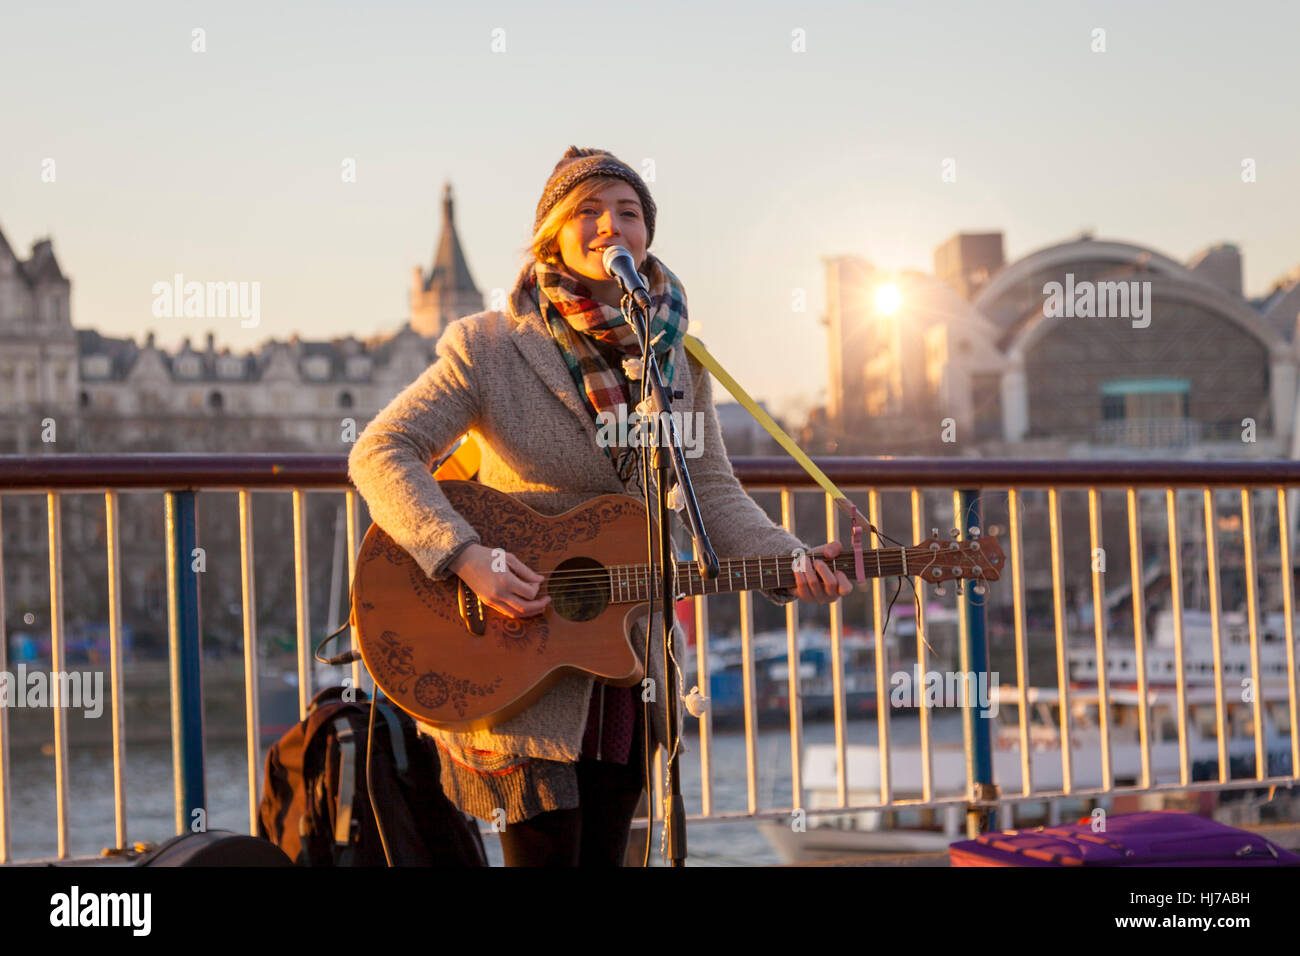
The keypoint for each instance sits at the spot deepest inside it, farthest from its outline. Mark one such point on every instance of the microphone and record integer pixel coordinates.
(621, 267)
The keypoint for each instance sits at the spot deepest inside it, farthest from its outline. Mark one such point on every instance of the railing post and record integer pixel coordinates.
(976, 729)
(58, 659)
(252, 708)
(185, 655)
(113, 540)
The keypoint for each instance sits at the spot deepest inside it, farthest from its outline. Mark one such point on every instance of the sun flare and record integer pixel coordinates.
(888, 299)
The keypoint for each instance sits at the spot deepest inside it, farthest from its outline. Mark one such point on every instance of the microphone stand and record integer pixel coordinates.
(675, 811)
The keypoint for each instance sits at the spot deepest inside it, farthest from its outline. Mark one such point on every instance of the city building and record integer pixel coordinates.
(107, 394)
(1085, 348)
(75, 390)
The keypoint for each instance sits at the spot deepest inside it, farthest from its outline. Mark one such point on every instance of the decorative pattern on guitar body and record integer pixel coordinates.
(411, 626)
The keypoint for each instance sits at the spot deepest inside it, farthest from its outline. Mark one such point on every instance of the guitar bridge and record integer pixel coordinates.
(471, 609)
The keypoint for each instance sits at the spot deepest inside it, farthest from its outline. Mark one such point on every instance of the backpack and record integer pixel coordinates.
(316, 806)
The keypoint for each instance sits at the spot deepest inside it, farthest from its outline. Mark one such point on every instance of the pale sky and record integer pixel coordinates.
(226, 164)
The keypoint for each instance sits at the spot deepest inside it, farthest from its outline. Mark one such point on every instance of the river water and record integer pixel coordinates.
(149, 791)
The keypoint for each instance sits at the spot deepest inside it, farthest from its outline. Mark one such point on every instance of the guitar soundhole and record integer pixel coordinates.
(579, 589)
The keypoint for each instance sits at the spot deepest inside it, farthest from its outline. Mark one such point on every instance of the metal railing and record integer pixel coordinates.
(975, 487)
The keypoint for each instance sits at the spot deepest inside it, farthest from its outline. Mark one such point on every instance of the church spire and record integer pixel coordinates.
(448, 291)
(450, 271)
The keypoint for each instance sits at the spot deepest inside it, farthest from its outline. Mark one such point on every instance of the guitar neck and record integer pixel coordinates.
(630, 584)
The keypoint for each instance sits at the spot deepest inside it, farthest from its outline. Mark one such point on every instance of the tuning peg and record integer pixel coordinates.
(979, 589)
(974, 531)
(955, 534)
(958, 588)
(934, 532)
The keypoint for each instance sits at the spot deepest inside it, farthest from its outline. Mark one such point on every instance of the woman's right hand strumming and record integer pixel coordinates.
(511, 589)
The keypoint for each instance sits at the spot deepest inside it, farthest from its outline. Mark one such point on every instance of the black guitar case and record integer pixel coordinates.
(215, 848)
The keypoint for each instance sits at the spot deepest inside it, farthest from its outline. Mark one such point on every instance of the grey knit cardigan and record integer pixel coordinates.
(501, 377)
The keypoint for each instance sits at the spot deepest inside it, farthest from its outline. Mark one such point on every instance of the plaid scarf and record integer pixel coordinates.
(577, 322)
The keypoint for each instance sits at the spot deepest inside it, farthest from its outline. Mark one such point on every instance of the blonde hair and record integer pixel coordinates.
(545, 246)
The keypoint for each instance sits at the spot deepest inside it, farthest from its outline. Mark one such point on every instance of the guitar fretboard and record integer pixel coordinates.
(631, 583)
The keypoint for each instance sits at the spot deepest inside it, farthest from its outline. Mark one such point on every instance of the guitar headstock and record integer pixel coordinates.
(977, 559)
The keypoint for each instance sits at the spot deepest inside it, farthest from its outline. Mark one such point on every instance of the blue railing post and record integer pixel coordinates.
(977, 713)
(185, 656)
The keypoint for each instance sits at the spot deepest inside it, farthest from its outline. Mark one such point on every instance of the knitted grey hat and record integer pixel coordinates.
(579, 164)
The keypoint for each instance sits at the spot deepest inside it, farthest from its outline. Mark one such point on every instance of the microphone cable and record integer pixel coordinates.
(370, 790)
(347, 657)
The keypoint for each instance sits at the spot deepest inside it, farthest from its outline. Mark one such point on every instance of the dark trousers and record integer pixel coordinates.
(595, 832)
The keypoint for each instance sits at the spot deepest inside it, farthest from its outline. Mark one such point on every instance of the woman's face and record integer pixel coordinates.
(611, 217)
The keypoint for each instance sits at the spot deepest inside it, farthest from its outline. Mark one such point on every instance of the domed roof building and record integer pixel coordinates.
(1115, 345)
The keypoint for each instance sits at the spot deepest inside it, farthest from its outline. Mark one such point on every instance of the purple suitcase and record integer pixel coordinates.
(1151, 838)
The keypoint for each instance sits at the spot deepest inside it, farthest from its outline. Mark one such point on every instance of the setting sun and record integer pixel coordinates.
(888, 299)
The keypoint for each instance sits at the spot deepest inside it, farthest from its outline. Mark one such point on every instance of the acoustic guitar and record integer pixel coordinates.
(453, 662)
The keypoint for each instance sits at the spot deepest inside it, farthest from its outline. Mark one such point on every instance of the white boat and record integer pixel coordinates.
(1198, 651)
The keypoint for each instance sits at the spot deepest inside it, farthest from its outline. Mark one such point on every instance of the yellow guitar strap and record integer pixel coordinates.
(461, 462)
(696, 348)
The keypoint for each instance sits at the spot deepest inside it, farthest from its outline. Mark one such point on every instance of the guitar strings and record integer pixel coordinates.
(611, 579)
(616, 575)
(842, 562)
(598, 584)
(693, 577)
